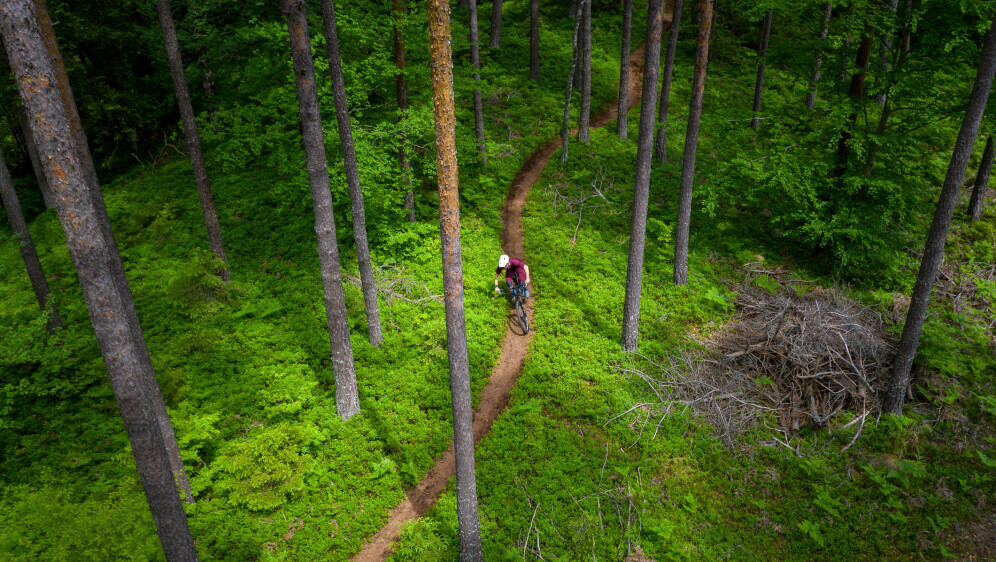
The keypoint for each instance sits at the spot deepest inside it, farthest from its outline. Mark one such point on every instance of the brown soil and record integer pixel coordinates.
(494, 397)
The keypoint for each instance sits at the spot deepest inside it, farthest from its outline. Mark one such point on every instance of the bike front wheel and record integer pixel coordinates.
(520, 312)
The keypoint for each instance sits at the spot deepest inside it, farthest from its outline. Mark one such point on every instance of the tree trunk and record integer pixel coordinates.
(883, 121)
(578, 16)
(475, 59)
(352, 175)
(691, 143)
(885, 52)
(933, 251)
(346, 398)
(621, 128)
(496, 24)
(641, 183)
(456, 328)
(124, 352)
(32, 149)
(534, 40)
(579, 54)
(193, 139)
(92, 190)
(845, 53)
(672, 46)
(584, 121)
(824, 30)
(762, 51)
(981, 183)
(855, 92)
(401, 93)
(23, 236)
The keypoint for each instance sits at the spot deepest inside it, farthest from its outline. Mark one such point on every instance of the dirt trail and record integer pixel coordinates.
(494, 397)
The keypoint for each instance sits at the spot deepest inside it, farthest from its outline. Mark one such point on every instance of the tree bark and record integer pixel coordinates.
(82, 152)
(346, 398)
(496, 24)
(401, 93)
(762, 51)
(691, 143)
(817, 67)
(933, 251)
(981, 183)
(456, 328)
(641, 183)
(672, 46)
(352, 175)
(885, 52)
(475, 59)
(584, 122)
(578, 16)
(23, 236)
(32, 149)
(855, 92)
(534, 40)
(623, 108)
(125, 355)
(193, 139)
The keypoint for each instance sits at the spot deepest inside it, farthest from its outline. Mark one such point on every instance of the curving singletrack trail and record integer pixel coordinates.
(494, 397)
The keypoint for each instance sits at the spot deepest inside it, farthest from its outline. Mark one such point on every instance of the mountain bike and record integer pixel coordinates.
(519, 293)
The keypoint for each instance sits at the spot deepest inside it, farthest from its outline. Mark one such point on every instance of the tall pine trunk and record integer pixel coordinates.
(534, 40)
(981, 183)
(762, 51)
(933, 251)
(475, 59)
(496, 24)
(818, 65)
(456, 328)
(124, 352)
(641, 183)
(584, 121)
(672, 46)
(352, 175)
(578, 16)
(82, 152)
(691, 144)
(623, 107)
(193, 139)
(23, 237)
(346, 399)
(401, 94)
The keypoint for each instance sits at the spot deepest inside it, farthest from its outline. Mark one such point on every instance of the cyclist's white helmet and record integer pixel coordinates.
(503, 260)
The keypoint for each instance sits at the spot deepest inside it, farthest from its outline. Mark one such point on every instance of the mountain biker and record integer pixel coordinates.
(514, 268)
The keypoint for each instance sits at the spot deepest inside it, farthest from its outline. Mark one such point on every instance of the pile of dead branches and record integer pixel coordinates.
(800, 359)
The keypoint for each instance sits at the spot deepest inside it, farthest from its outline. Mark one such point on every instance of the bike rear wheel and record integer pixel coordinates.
(520, 312)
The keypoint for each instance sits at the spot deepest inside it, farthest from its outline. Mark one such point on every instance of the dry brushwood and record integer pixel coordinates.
(805, 358)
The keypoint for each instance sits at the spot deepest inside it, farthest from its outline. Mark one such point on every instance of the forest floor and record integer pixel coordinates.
(495, 396)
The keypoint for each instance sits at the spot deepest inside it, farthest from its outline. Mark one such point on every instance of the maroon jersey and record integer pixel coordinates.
(515, 266)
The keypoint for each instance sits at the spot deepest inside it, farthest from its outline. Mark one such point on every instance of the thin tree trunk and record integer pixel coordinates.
(578, 16)
(193, 139)
(883, 121)
(824, 30)
(346, 398)
(933, 251)
(672, 46)
(23, 236)
(32, 149)
(534, 40)
(579, 54)
(844, 55)
(82, 151)
(885, 53)
(584, 122)
(401, 93)
(352, 175)
(456, 328)
(124, 352)
(762, 51)
(475, 59)
(621, 128)
(641, 183)
(496, 24)
(691, 143)
(981, 183)
(855, 92)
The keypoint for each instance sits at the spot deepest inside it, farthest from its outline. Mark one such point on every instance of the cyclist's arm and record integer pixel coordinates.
(526, 267)
(496, 281)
